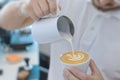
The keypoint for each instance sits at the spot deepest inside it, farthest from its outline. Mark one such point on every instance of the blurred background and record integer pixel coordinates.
(19, 50)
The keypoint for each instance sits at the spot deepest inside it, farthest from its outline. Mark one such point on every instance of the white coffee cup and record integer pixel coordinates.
(83, 66)
(51, 29)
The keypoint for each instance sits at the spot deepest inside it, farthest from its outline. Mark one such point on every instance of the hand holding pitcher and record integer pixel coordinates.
(39, 8)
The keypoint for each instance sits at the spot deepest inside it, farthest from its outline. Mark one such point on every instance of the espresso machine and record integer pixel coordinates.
(17, 39)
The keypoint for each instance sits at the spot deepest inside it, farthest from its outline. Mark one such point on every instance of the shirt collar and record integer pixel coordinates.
(115, 14)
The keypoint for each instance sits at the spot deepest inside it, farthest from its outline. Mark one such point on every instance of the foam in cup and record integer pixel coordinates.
(80, 60)
(79, 57)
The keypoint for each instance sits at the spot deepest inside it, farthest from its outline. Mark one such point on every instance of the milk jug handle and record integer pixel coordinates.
(51, 15)
(58, 12)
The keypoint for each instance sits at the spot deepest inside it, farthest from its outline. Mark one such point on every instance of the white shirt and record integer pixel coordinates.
(95, 32)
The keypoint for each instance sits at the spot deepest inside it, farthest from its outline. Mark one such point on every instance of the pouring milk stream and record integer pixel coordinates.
(53, 28)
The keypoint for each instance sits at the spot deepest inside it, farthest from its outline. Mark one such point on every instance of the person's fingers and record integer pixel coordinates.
(59, 7)
(93, 67)
(36, 8)
(29, 10)
(64, 75)
(95, 71)
(44, 6)
(81, 75)
(52, 6)
(68, 75)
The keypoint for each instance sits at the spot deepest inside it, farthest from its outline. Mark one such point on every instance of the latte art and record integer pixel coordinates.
(77, 58)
